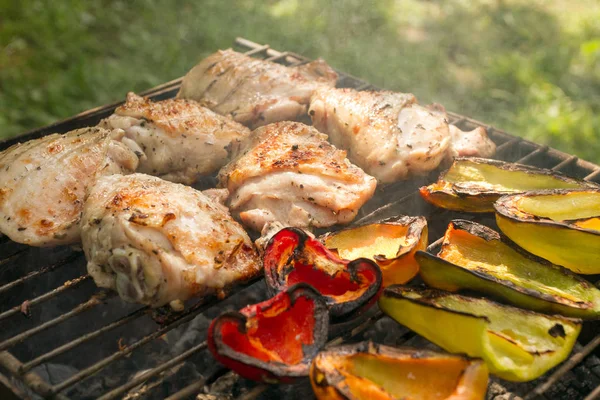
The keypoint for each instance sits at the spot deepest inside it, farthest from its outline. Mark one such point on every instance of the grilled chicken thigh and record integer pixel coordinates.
(178, 140)
(387, 134)
(44, 182)
(252, 91)
(157, 242)
(475, 143)
(288, 172)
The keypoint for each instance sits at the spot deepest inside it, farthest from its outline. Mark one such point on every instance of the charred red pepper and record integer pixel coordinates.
(292, 256)
(273, 341)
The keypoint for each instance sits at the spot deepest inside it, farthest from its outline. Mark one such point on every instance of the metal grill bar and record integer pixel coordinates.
(278, 57)
(257, 50)
(458, 121)
(122, 353)
(505, 143)
(254, 393)
(32, 380)
(565, 163)
(184, 317)
(13, 256)
(525, 159)
(113, 394)
(593, 175)
(365, 86)
(189, 390)
(91, 303)
(594, 395)
(386, 207)
(45, 297)
(39, 272)
(564, 368)
(89, 336)
(198, 385)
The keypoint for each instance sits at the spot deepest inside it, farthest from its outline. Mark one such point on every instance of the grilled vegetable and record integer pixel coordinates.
(559, 225)
(474, 257)
(474, 184)
(292, 256)
(391, 243)
(517, 345)
(371, 371)
(273, 341)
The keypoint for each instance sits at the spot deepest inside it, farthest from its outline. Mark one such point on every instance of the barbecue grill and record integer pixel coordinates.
(61, 337)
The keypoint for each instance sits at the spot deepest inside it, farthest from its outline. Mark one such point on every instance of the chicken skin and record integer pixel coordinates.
(44, 182)
(177, 140)
(254, 92)
(288, 172)
(475, 143)
(387, 134)
(157, 242)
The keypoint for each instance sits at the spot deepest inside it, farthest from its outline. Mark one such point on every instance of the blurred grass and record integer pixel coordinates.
(530, 67)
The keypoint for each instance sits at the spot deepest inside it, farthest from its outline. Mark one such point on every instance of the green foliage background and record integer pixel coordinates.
(531, 67)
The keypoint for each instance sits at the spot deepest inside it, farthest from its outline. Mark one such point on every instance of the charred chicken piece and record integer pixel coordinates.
(157, 242)
(43, 182)
(288, 172)
(177, 140)
(252, 91)
(388, 134)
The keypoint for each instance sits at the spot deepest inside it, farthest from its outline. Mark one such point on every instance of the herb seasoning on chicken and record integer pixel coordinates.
(252, 91)
(178, 140)
(288, 172)
(43, 182)
(389, 135)
(157, 242)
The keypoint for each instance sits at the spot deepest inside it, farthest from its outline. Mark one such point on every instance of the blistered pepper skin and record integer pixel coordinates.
(391, 243)
(561, 226)
(273, 341)
(485, 329)
(372, 371)
(473, 184)
(291, 256)
(475, 257)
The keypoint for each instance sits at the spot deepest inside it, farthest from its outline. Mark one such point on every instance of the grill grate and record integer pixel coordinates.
(406, 201)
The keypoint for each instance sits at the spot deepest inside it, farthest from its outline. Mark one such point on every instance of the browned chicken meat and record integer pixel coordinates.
(44, 182)
(252, 91)
(157, 242)
(288, 172)
(388, 134)
(475, 143)
(177, 140)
